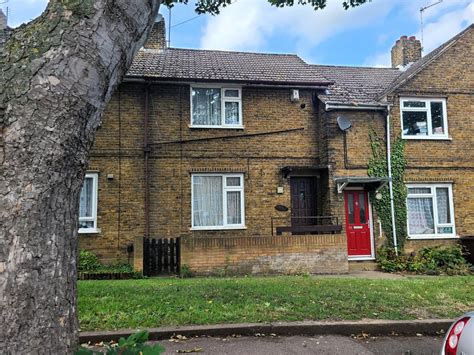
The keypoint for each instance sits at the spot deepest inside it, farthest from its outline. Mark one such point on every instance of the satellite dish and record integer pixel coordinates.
(344, 123)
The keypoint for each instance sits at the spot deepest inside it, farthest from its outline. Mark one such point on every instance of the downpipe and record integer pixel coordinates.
(390, 184)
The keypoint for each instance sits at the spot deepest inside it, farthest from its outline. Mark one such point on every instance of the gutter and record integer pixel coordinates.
(335, 106)
(390, 184)
(269, 84)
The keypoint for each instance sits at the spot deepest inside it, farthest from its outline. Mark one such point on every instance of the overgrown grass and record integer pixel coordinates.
(164, 302)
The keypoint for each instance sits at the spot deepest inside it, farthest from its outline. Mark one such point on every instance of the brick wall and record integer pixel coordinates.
(316, 254)
(451, 160)
(358, 154)
(284, 134)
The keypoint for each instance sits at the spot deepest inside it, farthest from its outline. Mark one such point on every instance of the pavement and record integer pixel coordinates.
(372, 275)
(305, 328)
(301, 345)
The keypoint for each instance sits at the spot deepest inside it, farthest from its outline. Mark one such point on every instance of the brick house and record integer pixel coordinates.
(258, 162)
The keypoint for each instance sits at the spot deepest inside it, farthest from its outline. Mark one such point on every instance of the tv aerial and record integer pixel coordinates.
(422, 9)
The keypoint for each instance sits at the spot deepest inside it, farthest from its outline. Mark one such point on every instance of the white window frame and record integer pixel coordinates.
(225, 189)
(223, 101)
(437, 225)
(93, 218)
(426, 109)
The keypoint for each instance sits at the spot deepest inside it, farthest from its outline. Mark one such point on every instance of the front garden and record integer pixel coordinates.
(159, 302)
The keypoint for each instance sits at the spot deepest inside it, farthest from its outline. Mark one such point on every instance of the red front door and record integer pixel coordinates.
(357, 223)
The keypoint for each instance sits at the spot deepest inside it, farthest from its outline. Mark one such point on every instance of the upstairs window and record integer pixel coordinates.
(88, 205)
(215, 107)
(424, 118)
(218, 201)
(430, 211)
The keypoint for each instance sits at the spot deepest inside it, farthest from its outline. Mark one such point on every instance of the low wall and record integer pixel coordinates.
(315, 254)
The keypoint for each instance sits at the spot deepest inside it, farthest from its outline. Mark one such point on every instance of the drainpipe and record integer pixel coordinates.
(390, 184)
(146, 151)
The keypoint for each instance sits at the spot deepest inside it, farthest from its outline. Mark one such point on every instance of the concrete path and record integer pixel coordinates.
(326, 344)
(366, 275)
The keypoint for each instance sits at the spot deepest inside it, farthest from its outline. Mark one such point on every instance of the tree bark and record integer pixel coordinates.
(57, 75)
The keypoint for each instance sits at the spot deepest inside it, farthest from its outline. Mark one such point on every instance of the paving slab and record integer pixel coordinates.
(323, 344)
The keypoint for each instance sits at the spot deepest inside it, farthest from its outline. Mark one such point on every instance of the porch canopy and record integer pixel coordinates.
(302, 170)
(368, 183)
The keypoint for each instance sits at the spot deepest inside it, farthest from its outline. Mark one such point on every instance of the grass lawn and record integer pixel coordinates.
(163, 302)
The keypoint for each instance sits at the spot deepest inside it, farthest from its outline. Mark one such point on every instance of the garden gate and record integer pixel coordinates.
(161, 256)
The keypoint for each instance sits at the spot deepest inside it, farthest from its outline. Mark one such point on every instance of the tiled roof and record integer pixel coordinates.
(420, 64)
(346, 85)
(206, 65)
(355, 85)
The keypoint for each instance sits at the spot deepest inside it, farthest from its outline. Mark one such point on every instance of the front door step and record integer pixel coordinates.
(363, 266)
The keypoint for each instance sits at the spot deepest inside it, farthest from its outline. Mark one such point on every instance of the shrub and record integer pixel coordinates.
(88, 262)
(186, 272)
(118, 268)
(133, 345)
(430, 261)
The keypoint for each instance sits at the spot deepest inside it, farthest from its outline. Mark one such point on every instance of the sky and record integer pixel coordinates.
(360, 36)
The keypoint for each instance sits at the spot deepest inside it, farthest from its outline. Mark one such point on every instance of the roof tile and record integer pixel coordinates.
(205, 65)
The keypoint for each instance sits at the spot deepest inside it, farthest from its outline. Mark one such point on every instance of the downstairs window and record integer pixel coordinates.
(218, 201)
(88, 204)
(430, 211)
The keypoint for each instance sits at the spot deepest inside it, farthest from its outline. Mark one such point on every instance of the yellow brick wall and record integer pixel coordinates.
(287, 136)
(450, 76)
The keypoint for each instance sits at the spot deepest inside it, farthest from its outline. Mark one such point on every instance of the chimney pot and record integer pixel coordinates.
(405, 51)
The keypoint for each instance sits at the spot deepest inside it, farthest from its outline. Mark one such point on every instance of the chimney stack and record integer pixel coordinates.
(4, 30)
(406, 50)
(3, 20)
(157, 38)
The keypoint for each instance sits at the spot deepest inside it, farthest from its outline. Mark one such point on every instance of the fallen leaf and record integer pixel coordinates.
(188, 351)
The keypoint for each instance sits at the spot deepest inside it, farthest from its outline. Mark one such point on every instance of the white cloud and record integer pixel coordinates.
(441, 22)
(439, 30)
(249, 24)
(22, 11)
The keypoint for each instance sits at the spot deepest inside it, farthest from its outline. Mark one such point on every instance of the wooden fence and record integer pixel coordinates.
(161, 256)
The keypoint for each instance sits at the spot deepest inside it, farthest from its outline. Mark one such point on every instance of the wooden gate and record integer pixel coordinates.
(161, 256)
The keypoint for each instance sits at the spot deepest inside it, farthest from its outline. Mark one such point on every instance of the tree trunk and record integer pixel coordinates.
(58, 74)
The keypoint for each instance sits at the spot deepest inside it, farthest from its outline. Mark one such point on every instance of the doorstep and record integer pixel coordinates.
(363, 265)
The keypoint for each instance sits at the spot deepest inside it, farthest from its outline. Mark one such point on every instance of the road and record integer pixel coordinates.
(301, 345)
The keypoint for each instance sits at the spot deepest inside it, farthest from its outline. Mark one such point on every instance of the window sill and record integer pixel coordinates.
(89, 231)
(425, 138)
(217, 228)
(433, 237)
(216, 127)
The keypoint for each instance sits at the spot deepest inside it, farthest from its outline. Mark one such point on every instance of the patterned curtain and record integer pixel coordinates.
(420, 216)
(207, 201)
(442, 201)
(234, 215)
(85, 204)
(206, 106)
